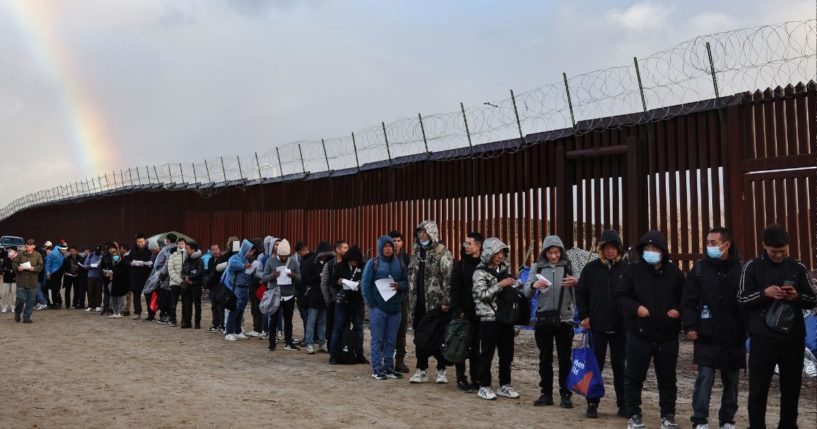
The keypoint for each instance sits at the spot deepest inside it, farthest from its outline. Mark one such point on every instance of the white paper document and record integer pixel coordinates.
(384, 287)
(349, 285)
(283, 279)
(26, 265)
(544, 279)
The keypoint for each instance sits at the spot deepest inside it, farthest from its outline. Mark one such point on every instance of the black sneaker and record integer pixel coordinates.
(362, 359)
(17, 317)
(622, 413)
(292, 347)
(635, 422)
(392, 374)
(566, 402)
(27, 321)
(464, 386)
(379, 376)
(271, 348)
(543, 401)
(592, 411)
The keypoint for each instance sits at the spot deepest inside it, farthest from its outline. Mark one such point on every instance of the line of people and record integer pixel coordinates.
(634, 310)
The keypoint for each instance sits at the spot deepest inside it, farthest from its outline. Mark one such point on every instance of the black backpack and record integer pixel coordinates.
(349, 341)
(457, 345)
(513, 307)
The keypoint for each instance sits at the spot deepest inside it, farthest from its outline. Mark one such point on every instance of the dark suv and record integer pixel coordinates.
(7, 241)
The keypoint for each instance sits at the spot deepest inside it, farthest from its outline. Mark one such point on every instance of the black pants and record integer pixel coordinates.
(763, 356)
(81, 292)
(473, 356)
(288, 309)
(68, 284)
(665, 356)
(173, 302)
(95, 292)
(493, 336)
(165, 299)
(303, 310)
(545, 339)
(402, 330)
(137, 302)
(257, 317)
(217, 310)
(148, 298)
(54, 286)
(191, 300)
(617, 343)
(330, 323)
(106, 294)
(422, 359)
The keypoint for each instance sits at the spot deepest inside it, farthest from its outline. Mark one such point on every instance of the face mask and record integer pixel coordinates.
(714, 252)
(180, 248)
(116, 258)
(651, 257)
(425, 243)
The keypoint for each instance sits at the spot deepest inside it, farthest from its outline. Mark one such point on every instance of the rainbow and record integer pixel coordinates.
(84, 121)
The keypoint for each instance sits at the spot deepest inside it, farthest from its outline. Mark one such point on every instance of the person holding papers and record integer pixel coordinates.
(346, 277)
(139, 262)
(281, 271)
(27, 266)
(384, 282)
(91, 265)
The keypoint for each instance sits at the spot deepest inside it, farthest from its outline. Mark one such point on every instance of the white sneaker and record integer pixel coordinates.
(486, 393)
(241, 336)
(4, 310)
(507, 391)
(252, 334)
(419, 377)
(231, 337)
(636, 422)
(117, 316)
(40, 307)
(728, 426)
(98, 309)
(263, 336)
(705, 426)
(323, 348)
(310, 349)
(441, 378)
(668, 422)
(89, 309)
(112, 316)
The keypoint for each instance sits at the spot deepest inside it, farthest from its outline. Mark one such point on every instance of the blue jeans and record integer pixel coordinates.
(25, 301)
(40, 294)
(384, 328)
(703, 392)
(236, 317)
(318, 316)
(345, 313)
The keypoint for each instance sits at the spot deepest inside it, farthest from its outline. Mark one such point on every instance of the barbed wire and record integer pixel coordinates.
(655, 87)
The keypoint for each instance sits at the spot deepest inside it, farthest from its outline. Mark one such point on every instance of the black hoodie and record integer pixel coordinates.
(657, 289)
(462, 283)
(595, 293)
(345, 271)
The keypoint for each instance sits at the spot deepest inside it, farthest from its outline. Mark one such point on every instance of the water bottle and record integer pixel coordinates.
(705, 314)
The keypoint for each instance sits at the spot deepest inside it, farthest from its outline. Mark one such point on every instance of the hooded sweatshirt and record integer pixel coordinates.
(53, 262)
(235, 265)
(271, 271)
(269, 244)
(158, 274)
(386, 267)
(462, 284)
(95, 258)
(429, 270)
(657, 289)
(596, 291)
(344, 270)
(548, 298)
(486, 279)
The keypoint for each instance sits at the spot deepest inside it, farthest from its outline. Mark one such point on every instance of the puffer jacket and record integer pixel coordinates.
(432, 265)
(595, 293)
(548, 298)
(486, 279)
(175, 264)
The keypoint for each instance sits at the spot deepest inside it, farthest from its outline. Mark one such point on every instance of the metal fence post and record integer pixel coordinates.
(467, 131)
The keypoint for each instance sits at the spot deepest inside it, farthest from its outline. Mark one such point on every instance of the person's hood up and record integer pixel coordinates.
(547, 243)
(153, 245)
(246, 245)
(656, 238)
(354, 254)
(269, 244)
(430, 227)
(195, 255)
(610, 236)
(381, 242)
(491, 247)
(323, 251)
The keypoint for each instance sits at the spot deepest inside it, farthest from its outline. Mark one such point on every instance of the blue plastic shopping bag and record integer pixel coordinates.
(585, 377)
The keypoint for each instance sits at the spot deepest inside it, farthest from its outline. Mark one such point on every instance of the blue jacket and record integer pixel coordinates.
(385, 267)
(53, 262)
(235, 265)
(93, 259)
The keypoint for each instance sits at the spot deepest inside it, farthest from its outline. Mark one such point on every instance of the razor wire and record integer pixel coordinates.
(647, 89)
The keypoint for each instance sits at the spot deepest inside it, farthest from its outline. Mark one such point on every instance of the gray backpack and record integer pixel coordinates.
(270, 302)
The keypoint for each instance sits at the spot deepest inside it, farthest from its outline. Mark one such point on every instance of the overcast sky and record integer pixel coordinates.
(91, 86)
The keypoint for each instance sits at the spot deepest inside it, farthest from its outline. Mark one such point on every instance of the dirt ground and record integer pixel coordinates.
(75, 369)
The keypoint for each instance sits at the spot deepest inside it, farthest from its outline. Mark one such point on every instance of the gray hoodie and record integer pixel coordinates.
(486, 286)
(548, 298)
(270, 278)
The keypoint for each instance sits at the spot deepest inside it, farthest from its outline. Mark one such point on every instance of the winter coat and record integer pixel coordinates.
(53, 262)
(762, 272)
(462, 285)
(93, 259)
(657, 289)
(385, 267)
(713, 283)
(344, 270)
(120, 283)
(596, 291)
(138, 274)
(28, 279)
(193, 270)
(271, 271)
(327, 290)
(175, 263)
(71, 267)
(7, 268)
(548, 298)
(311, 277)
(486, 279)
(158, 274)
(430, 268)
(235, 265)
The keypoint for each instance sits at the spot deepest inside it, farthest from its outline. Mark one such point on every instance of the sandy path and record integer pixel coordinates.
(75, 369)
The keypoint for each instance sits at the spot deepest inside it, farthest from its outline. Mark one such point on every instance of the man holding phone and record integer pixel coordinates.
(774, 289)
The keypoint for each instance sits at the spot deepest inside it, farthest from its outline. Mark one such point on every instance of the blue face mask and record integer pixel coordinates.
(425, 243)
(116, 258)
(714, 252)
(651, 257)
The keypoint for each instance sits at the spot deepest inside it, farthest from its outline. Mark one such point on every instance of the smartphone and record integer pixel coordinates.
(788, 286)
